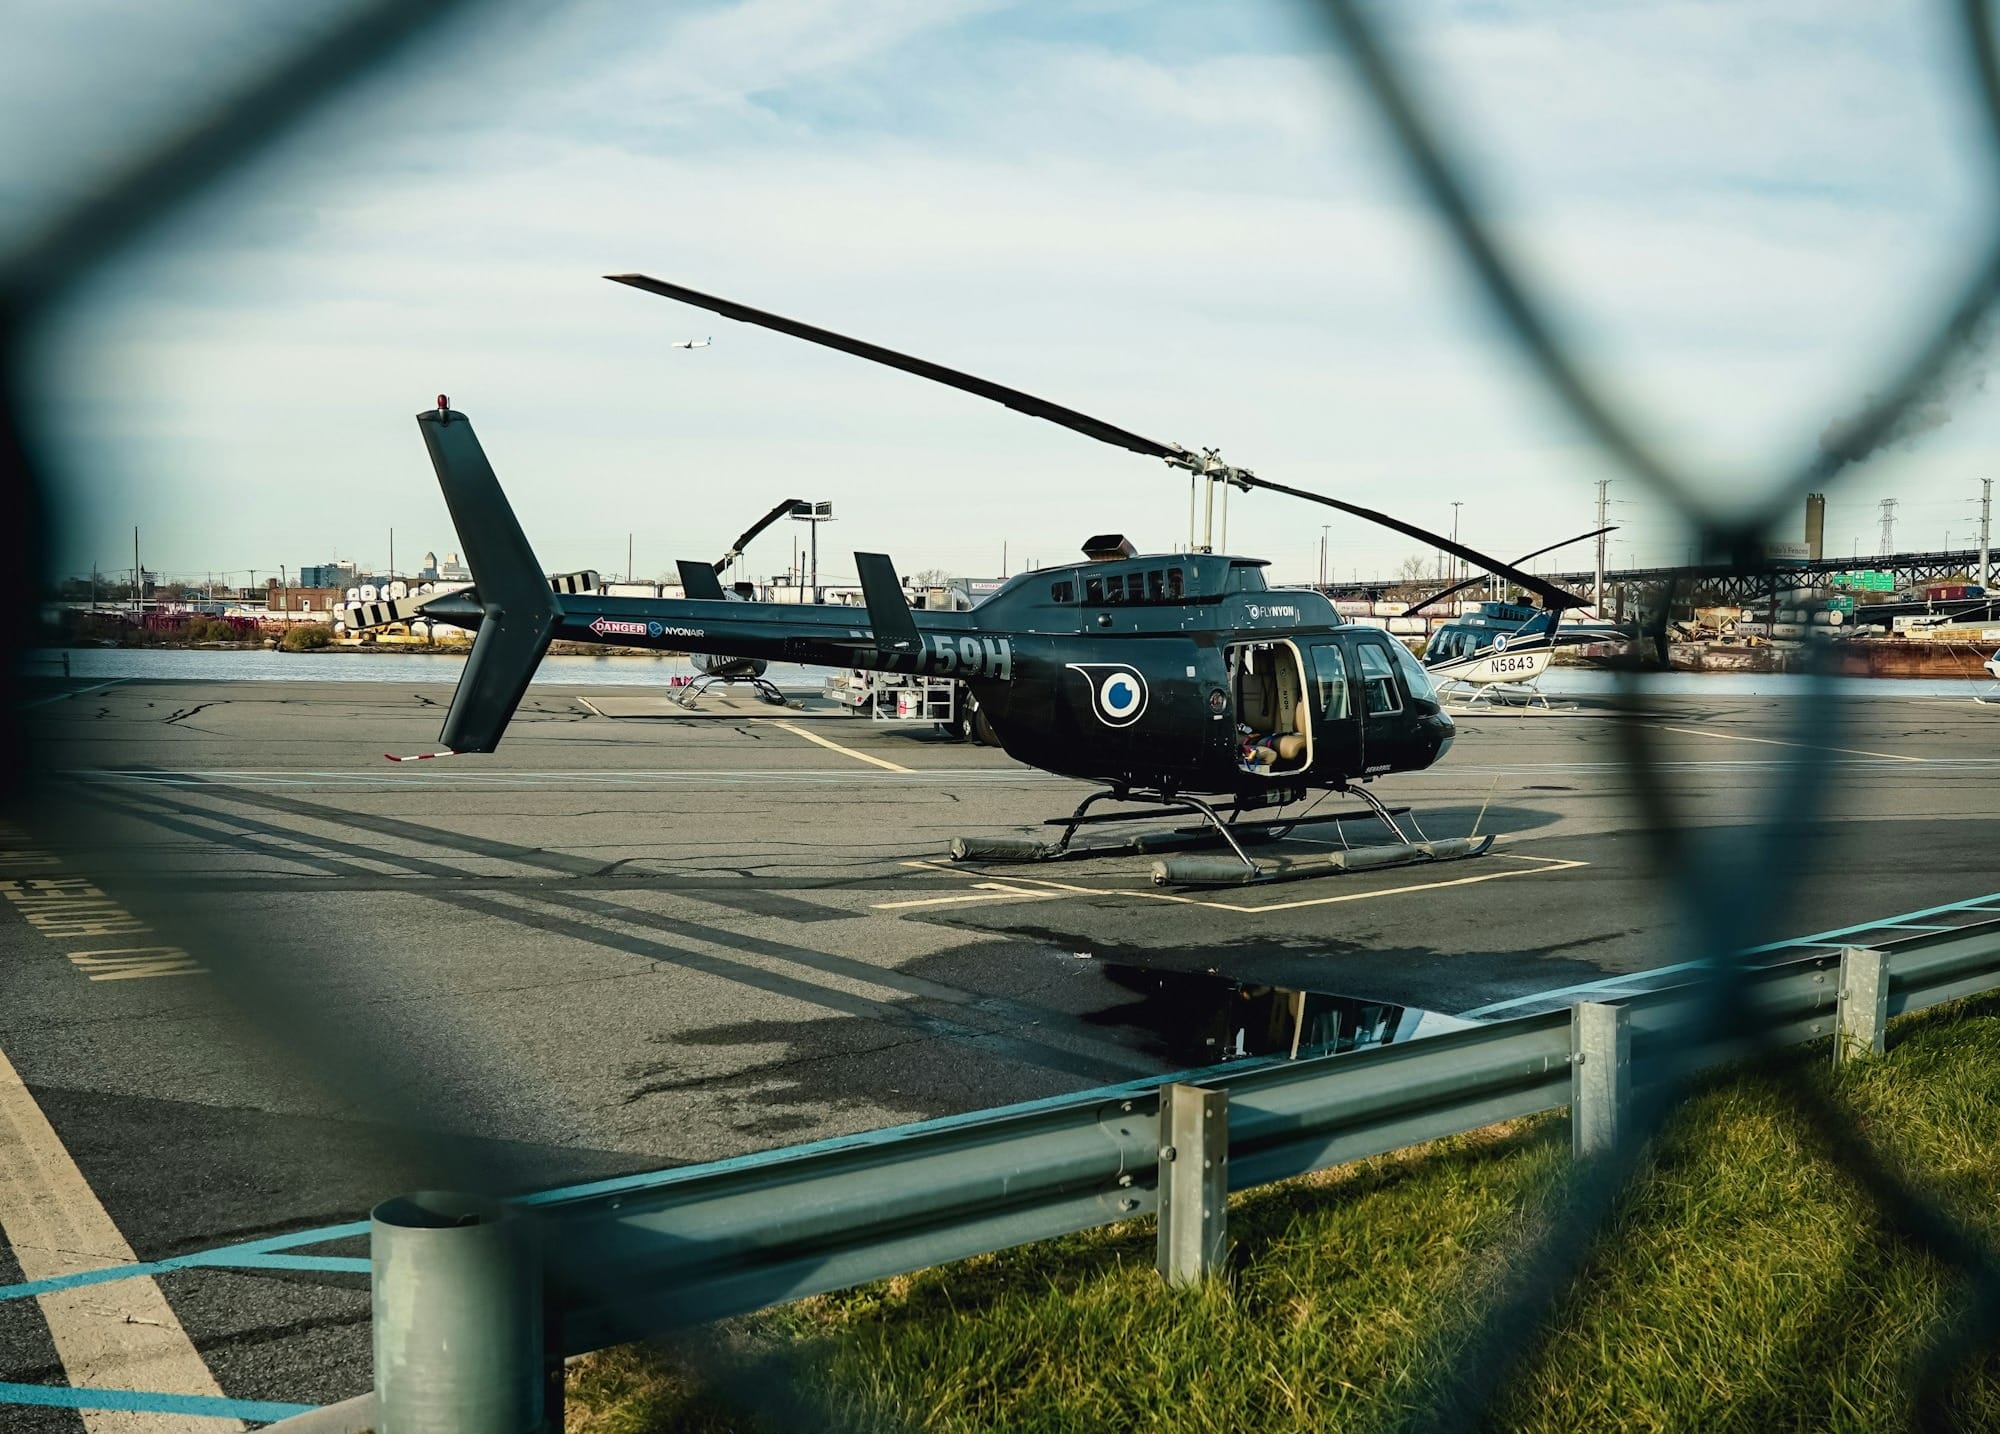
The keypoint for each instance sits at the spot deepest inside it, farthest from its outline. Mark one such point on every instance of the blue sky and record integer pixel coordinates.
(1177, 216)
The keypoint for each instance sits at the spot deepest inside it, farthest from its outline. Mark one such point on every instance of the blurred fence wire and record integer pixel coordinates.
(1731, 897)
(1728, 900)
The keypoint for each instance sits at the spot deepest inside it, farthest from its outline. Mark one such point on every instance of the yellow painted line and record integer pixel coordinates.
(881, 762)
(1544, 864)
(1774, 742)
(119, 1335)
(987, 891)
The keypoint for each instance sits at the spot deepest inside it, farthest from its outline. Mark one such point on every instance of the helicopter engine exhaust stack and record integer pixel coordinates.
(1109, 548)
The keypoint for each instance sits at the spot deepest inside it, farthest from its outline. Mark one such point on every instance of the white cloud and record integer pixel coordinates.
(1203, 246)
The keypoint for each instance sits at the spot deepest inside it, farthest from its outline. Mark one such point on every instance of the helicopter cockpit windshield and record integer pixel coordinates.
(1419, 681)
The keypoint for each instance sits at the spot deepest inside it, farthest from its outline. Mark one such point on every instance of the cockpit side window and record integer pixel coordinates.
(1064, 591)
(1093, 590)
(1378, 680)
(1155, 585)
(1330, 679)
(1175, 589)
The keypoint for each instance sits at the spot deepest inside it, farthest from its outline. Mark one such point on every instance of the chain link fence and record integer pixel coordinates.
(1730, 899)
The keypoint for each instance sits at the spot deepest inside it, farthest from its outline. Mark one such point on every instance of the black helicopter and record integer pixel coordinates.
(1180, 682)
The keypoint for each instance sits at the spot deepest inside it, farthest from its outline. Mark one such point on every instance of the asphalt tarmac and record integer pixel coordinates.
(307, 979)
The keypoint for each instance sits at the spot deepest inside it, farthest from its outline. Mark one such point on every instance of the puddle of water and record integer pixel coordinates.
(1194, 1018)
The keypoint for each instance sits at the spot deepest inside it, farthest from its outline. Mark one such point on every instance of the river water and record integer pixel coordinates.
(256, 664)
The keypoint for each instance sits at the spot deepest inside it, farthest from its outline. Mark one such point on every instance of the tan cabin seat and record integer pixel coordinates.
(1292, 746)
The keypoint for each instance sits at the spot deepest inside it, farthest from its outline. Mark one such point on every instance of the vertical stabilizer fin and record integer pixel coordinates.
(888, 610)
(698, 581)
(520, 610)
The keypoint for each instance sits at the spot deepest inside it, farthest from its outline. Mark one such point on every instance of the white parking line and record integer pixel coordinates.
(1541, 865)
(881, 762)
(108, 1336)
(80, 692)
(1774, 742)
(985, 891)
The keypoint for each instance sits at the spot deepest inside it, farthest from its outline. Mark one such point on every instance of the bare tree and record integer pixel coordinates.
(930, 578)
(1416, 568)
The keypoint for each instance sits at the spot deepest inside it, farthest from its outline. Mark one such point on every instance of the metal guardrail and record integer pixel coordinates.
(707, 1242)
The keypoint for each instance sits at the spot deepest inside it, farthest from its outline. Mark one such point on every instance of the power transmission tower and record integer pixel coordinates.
(1597, 593)
(1888, 507)
(1985, 529)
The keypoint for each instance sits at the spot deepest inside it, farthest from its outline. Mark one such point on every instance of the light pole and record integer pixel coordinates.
(1324, 529)
(1457, 570)
(815, 514)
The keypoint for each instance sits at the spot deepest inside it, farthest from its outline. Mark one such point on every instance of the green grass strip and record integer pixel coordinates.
(1743, 1283)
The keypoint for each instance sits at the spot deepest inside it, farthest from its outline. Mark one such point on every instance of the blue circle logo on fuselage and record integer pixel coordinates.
(1117, 692)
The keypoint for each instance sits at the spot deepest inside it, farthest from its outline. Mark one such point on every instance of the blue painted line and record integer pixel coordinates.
(1828, 937)
(145, 1401)
(337, 1264)
(1824, 938)
(244, 1255)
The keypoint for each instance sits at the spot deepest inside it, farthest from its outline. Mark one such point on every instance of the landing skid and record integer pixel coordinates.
(1494, 693)
(1221, 827)
(765, 689)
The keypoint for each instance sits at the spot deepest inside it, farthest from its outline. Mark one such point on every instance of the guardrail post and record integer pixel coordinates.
(457, 1289)
(1600, 1076)
(1863, 1027)
(1194, 1182)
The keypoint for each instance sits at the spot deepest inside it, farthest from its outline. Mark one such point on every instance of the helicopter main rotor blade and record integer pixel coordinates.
(1551, 595)
(1071, 419)
(1469, 582)
(923, 368)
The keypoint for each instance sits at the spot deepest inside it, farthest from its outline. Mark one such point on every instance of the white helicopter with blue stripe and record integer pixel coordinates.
(1504, 646)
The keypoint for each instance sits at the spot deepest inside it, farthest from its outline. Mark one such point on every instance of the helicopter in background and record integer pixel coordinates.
(703, 581)
(1180, 684)
(1503, 646)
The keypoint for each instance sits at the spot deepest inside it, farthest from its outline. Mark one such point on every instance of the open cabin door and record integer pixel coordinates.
(1273, 701)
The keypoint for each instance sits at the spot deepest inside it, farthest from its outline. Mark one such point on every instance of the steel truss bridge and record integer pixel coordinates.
(1720, 584)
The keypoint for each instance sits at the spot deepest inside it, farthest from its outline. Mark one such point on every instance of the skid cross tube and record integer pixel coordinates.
(764, 686)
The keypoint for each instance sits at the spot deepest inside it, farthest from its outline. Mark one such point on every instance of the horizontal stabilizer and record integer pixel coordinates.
(361, 616)
(698, 581)
(888, 610)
